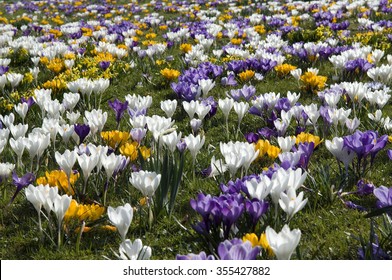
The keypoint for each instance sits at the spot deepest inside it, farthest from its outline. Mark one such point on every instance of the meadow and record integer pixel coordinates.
(195, 130)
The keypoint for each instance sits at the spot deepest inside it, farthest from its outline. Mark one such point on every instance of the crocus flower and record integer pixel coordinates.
(365, 143)
(21, 182)
(259, 188)
(256, 208)
(194, 144)
(66, 161)
(87, 164)
(145, 181)
(119, 108)
(202, 256)
(104, 65)
(121, 217)
(342, 153)
(384, 196)
(171, 140)
(134, 250)
(291, 203)
(283, 243)
(237, 250)
(169, 107)
(82, 130)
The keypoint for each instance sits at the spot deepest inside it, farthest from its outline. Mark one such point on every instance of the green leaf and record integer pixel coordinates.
(379, 212)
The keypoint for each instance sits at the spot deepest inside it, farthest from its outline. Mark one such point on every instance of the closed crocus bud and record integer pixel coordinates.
(8, 120)
(134, 250)
(22, 109)
(259, 188)
(286, 143)
(340, 151)
(14, 79)
(241, 108)
(35, 196)
(206, 85)
(18, 130)
(190, 108)
(202, 110)
(171, 140)
(87, 164)
(138, 134)
(283, 243)
(146, 182)
(195, 124)
(194, 144)
(296, 73)
(66, 161)
(226, 105)
(5, 170)
(60, 206)
(169, 107)
(70, 100)
(96, 120)
(121, 218)
(110, 163)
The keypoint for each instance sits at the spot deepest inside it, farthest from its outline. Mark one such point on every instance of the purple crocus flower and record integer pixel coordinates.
(30, 101)
(389, 153)
(283, 104)
(138, 134)
(352, 205)
(82, 130)
(237, 250)
(306, 149)
(384, 196)
(256, 208)
(246, 92)
(214, 106)
(365, 143)
(252, 137)
(104, 65)
(119, 108)
(181, 146)
(21, 182)
(233, 187)
(202, 256)
(376, 252)
(3, 69)
(358, 64)
(232, 207)
(267, 133)
(364, 188)
(229, 80)
(203, 205)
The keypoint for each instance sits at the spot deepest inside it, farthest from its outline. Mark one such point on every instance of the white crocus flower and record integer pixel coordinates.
(121, 218)
(146, 182)
(283, 243)
(134, 250)
(291, 203)
(169, 107)
(259, 188)
(66, 161)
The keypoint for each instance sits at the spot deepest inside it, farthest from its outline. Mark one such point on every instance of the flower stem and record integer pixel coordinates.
(59, 236)
(41, 233)
(80, 236)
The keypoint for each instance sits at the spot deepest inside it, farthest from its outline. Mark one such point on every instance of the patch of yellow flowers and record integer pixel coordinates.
(265, 148)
